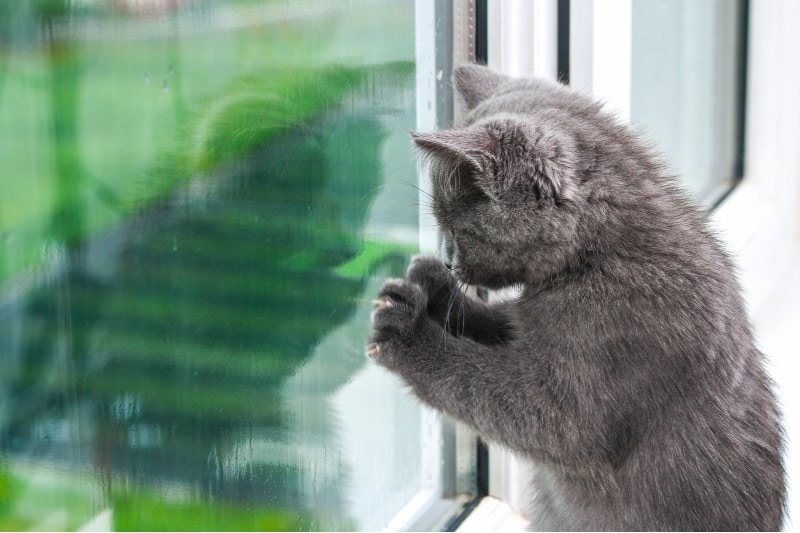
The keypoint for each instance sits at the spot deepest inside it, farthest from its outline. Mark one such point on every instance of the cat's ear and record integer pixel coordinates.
(512, 158)
(475, 83)
(536, 160)
(551, 161)
(473, 146)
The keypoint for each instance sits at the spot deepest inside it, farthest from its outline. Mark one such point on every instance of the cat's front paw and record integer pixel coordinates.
(398, 313)
(428, 272)
(438, 283)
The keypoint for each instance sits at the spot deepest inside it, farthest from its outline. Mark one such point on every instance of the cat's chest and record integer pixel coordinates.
(563, 322)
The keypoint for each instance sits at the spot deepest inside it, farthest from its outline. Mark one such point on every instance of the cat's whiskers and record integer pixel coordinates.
(462, 315)
(423, 191)
(369, 192)
(454, 293)
(450, 301)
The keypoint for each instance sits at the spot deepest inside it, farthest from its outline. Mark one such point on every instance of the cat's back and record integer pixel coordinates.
(671, 392)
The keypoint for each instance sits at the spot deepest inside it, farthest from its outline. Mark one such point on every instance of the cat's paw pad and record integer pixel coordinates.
(398, 308)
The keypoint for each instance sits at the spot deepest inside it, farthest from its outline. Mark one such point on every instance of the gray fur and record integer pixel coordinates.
(625, 371)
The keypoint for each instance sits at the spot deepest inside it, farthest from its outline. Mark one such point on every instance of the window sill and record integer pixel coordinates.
(492, 514)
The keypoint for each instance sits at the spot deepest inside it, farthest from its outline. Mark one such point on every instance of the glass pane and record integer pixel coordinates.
(687, 61)
(199, 200)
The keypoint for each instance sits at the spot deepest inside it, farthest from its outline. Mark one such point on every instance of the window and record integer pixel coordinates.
(687, 88)
(676, 70)
(199, 201)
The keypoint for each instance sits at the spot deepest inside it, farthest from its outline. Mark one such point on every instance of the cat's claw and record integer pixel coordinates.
(397, 310)
(380, 303)
(373, 349)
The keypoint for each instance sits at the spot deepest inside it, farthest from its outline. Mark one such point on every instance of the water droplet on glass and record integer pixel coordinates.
(170, 70)
(165, 85)
(439, 75)
(147, 77)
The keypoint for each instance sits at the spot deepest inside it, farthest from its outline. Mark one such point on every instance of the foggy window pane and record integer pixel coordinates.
(199, 200)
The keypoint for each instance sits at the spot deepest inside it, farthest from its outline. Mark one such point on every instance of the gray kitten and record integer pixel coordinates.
(625, 371)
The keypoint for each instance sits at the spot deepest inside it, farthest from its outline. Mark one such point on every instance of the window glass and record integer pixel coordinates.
(199, 200)
(687, 83)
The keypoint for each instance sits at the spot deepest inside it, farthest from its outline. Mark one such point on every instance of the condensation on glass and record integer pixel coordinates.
(198, 201)
(686, 88)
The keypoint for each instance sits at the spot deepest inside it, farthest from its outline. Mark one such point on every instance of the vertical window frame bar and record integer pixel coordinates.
(600, 51)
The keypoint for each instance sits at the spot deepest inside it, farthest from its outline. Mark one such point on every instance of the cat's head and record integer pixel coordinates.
(506, 188)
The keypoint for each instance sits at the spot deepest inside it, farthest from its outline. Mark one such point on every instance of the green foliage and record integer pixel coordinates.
(209, 236)
(239, 118)
(7, 487)
(372, 254)
(254, 108)
(44, 499)
(214, 303)
(144, 512)
(92, 134)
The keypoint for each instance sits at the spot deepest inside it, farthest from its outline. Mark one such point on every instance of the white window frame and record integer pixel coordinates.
(757, 221)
